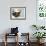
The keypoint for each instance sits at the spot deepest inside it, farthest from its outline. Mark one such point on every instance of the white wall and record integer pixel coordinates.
(24, 25)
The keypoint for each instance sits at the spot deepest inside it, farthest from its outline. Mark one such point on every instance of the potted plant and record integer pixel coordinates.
(39, 36)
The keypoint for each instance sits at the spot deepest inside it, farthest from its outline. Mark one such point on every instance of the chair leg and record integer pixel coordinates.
(5, 43)
(5, 39)
(17, 39)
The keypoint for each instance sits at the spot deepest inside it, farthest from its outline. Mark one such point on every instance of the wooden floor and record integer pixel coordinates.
(13, 44)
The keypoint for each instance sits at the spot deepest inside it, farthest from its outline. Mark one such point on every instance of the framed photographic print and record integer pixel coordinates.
(41, 12)
(41, 8)
(17, 13)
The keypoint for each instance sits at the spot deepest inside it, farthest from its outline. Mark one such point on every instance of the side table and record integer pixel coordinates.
(8, 34)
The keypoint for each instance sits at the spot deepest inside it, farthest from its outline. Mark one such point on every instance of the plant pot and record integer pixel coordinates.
(40, 41)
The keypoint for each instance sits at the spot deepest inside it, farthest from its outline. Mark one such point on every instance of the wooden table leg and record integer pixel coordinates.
(16, 40)
(5, 39)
